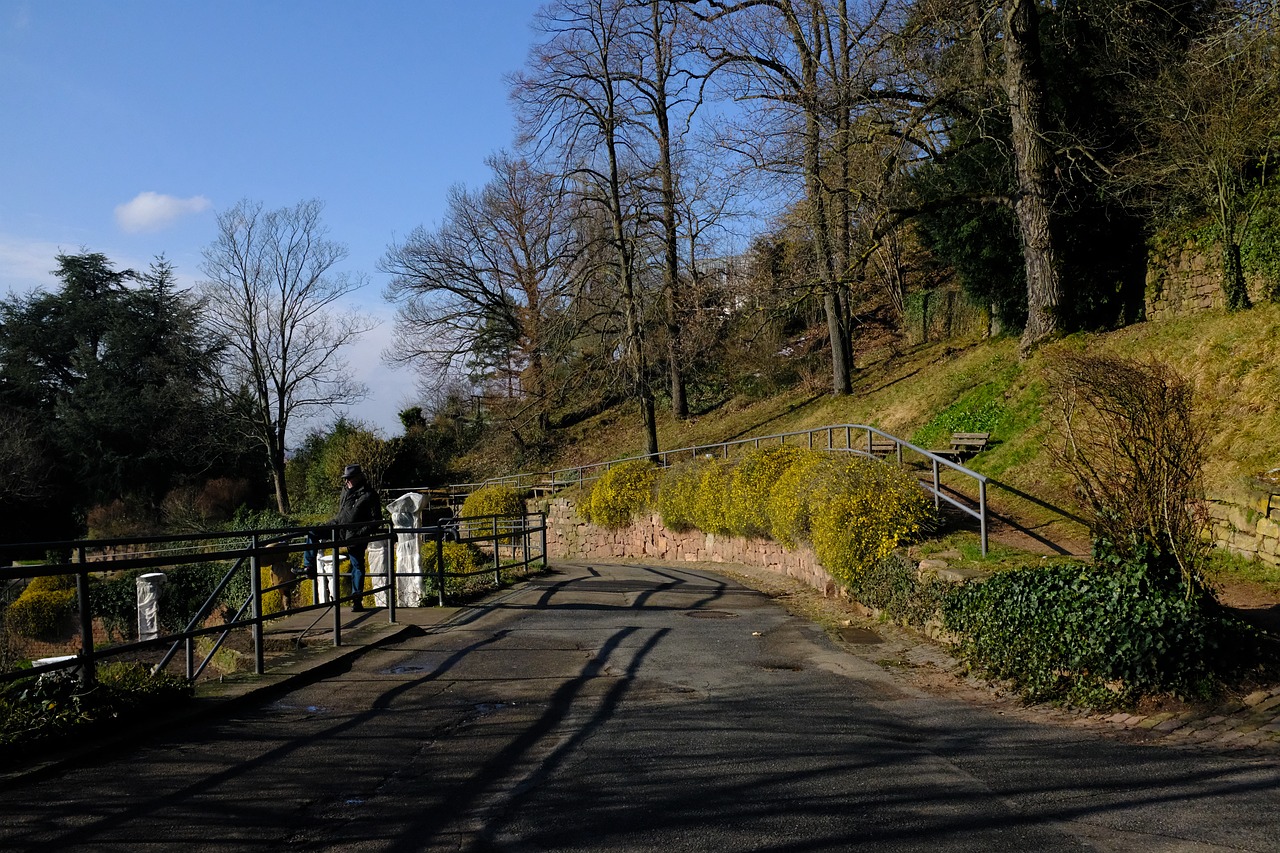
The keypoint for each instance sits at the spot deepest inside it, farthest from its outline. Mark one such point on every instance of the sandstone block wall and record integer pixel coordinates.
(571, 538)
(1186, 279)
(1248, 524)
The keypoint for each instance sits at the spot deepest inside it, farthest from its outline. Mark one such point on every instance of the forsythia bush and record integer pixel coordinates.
(490, 501)
(860, 511)
(747, 509)
(710, 509)
(853, 510)
(788, 504)
(622, 492)
(678, 494)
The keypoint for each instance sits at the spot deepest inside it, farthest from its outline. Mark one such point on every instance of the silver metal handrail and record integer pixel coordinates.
(902, 451)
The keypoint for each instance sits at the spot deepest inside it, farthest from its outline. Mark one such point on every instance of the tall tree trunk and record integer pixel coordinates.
(671, 261)
(278, 478)
(1024, 86)
(837, 328)
(1234, 289)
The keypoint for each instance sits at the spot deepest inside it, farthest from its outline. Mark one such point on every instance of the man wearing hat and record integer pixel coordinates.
(360, 502)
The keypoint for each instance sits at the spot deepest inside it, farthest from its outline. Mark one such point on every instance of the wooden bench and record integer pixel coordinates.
(881, 446)
(964, 444)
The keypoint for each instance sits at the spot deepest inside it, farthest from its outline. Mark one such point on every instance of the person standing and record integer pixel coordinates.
(359, 502)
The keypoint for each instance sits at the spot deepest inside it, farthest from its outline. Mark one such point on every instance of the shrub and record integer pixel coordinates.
(1133, 443)
(747, 510)
(488, 501)
(789, 500)
(894, 586)
(678, 494)
(37, 708)
(1097, 635)
(860, 510)
(464, 567)
(114, 600)
(41, 614)
(712, 498)
(122, 517)
(622, 492)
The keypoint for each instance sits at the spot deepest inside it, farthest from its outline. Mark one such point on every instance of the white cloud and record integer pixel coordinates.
(152, 211)
(25, 264)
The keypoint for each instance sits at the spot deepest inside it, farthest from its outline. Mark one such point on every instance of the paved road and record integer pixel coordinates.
(638, 709)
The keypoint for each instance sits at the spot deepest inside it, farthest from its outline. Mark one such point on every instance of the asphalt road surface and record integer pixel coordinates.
(638, 709)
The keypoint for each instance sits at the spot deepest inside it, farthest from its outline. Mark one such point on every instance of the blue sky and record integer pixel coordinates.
(126, 125)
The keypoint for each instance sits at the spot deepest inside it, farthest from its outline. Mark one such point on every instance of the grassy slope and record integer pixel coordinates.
(1234, 360)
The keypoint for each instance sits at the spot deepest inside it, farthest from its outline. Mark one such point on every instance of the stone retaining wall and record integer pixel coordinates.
(571, 538)
(1248, 523)
(1188, 278)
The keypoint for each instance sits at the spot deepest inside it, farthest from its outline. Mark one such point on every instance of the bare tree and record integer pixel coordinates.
(775, 51)
(274, 298)
(573, 99)
(1135, 446)
(493, 278)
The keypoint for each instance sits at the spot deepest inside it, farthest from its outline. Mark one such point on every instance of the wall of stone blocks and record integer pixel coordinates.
(1186, 279)
(571, 538)
(1247, 524)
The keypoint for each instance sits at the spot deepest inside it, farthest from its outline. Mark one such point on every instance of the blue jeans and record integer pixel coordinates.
(355, 555)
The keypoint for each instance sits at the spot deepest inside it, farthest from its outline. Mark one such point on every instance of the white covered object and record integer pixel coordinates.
(406, 512)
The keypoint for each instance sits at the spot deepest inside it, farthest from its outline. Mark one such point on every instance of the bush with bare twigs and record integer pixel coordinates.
(1133, 443)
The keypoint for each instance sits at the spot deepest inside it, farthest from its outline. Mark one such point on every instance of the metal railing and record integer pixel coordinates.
(79, 629)
(854, 438)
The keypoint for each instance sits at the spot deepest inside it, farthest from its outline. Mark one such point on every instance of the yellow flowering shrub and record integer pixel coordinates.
(502, 501)
(710, 509)
(788, 503)
(678, 494)
(622, 492)
(747, 510)
(859, 511)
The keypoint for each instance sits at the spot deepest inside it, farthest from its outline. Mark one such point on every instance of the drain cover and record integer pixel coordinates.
(860, 636)
(710, 614)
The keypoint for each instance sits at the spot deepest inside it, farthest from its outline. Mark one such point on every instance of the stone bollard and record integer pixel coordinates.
(149, 588)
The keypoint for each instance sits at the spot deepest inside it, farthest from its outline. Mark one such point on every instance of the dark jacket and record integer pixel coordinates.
(359, 503)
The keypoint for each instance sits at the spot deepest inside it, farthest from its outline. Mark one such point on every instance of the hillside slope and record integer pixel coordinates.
(923, 393)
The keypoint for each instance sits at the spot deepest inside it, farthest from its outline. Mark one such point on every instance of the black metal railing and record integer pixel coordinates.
(78, 619)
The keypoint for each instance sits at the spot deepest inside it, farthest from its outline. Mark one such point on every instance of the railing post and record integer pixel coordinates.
(937, 486)
(255, 607)
(440, 566)
(982, 513)
(391, 576)
(497, 559)
(848, 438)
(88, 667)
(543, 525)
(524, 542)
(335, 590)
